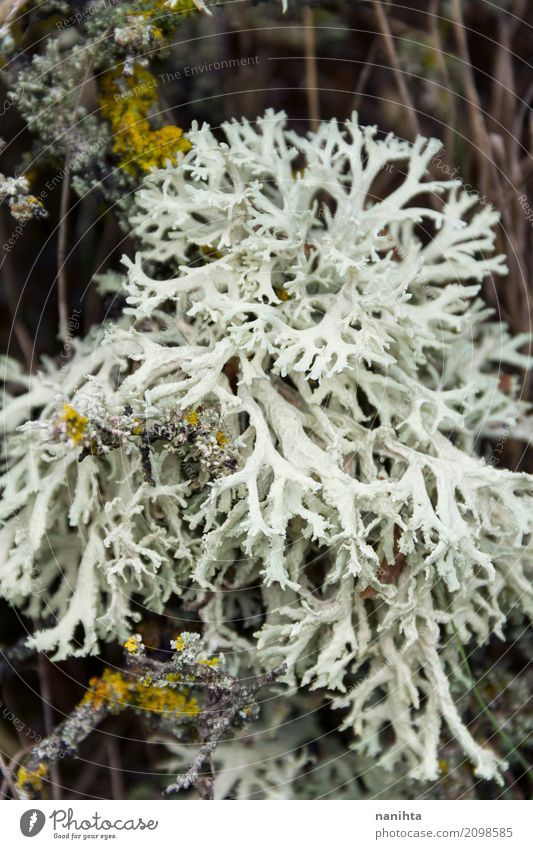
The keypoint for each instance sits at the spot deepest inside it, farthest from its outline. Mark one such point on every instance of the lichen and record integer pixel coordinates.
(126, 102)
(31, 780)
(120, 691)
(349, 522)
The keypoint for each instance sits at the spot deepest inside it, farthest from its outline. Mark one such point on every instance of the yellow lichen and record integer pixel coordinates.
(221, 438)
(122, 692)
(34, 201)
(31, 778)
(213, 661)
(181, 7)
(125, 102)
(179, 643)
(192, 418)
(165, 701)
(75, 424)
(133, 644)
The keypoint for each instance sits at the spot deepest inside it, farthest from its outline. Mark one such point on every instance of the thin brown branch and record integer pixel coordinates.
(362, 80)
(11, 288)
(61, 253)
(392, 55)
(445, 76)
(9, 9)
(479, 129)
(48, 713)
(8, 778)
(311, 72)
(214, 720)
(63, 213)
(115, 769)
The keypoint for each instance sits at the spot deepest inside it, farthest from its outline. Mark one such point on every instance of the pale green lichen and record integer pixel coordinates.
(352, 367)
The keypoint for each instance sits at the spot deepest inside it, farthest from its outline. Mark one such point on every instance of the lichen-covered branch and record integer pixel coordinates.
(190, 693)
(224, 708)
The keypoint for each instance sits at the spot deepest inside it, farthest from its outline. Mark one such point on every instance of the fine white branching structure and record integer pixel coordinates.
(283, 430)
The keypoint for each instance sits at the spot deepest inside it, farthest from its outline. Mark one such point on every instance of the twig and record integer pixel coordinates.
(46, 699)
(390, 48)
(63, 212)
(6, 772)
(10, 284)
(481, 136)
(311, 74)
(363, 77)
(14, 762)
(443, 69)
(67, 737)
(224, 701)
(115, 769)
(61, 252)
(9, 8)
(214, 720)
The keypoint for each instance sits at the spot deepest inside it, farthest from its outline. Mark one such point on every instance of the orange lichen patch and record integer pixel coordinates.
(112, 690)
(75, 424)
(31, 778)
(119, 692)
(125, 102)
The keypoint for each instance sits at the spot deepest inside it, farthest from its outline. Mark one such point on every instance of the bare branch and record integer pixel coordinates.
(313, 103)
(392, 54)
